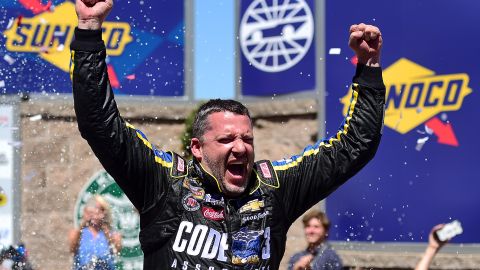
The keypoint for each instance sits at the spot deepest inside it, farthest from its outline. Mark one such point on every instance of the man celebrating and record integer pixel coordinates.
(220, 210)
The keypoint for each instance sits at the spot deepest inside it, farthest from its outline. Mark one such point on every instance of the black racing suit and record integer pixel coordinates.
(186, 222)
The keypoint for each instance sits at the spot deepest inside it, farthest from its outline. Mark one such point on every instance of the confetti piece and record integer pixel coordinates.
(35, 6)
(36, 118)
(112, 75)
(420, 143)
(428, 130)
(130, 77)
(444, 117)
(354, 60)
(44, 49)
(10, 23)
(335, 51)
(15, 143)
(10, 60)
(59, 33)
(2, 84)
(60, 47)
(19, 20)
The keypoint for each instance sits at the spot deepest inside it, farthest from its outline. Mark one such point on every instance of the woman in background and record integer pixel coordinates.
(94, 244)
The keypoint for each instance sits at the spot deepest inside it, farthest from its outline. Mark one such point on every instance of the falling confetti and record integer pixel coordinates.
(130, 77)
(428, 130)
(36, 118)
(335, 51)
(113, 77)
(420, 143)
(10, 60)
(10, 23)
(19, 20)
(36, 6)
(15, 144)
(354, 60)
(444, 117)
(2, 84)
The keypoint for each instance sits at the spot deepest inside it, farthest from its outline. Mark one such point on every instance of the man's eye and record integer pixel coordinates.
(224, 140)
(248, 140)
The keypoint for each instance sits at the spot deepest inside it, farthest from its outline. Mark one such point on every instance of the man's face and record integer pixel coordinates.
(315, 232)
(226, 150)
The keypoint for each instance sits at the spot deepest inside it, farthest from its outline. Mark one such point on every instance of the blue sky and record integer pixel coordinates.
(214, 49)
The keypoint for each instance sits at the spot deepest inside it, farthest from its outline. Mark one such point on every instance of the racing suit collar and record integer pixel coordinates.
(205, 177)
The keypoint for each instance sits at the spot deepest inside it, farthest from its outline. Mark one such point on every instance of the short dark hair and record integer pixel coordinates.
(200, 124)
(318, 215)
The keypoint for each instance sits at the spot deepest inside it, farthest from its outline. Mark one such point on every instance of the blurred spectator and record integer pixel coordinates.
(434, 245)
(94, 244)
(318, 255)
(14, 258)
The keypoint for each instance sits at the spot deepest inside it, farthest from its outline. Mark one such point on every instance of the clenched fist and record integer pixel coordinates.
(90, 3)
(92, 13)
(366, 41)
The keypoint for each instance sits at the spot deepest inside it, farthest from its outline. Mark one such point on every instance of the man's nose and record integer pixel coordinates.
(239, 147)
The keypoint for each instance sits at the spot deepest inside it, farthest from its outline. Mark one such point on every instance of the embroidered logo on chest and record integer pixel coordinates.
(190, 203)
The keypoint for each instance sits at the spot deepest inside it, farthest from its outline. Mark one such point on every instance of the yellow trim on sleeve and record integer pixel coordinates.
(72, 64)
(158, 159)
(331, 140)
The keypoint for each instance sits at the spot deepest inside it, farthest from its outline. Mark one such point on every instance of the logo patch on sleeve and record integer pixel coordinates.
(265, 171)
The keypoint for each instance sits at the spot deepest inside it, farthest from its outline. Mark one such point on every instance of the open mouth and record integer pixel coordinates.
(236, 170)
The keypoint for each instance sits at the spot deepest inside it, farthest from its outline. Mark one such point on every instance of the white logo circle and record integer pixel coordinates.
(276, 37)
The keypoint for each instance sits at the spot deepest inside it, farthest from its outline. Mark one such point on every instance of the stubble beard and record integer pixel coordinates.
(218, 170)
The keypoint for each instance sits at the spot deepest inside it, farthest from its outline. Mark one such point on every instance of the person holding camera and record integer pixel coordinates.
(434, 245)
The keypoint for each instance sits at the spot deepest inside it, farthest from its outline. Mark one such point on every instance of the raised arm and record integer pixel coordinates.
(320, 169)
(126, 154)
(434, 245)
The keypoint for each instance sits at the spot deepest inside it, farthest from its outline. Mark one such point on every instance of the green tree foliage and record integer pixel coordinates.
(187, 134)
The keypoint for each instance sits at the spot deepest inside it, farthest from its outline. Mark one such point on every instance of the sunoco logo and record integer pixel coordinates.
(415, 94)
(275, 36)
(50, 35)
(125, 219)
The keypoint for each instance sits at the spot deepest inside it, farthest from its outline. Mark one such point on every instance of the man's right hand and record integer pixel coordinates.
(92, 13)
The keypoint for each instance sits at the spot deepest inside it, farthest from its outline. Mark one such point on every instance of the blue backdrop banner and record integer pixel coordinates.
(424, 172)
(277, 47)
(144, 41)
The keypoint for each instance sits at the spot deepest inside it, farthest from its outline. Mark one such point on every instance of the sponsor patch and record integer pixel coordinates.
(190, 203)
(265, 171)
(197, 192)
(256, 216)
(181, 165)
(246, 247)
(214, 201)
(212, 214)
(252, 206)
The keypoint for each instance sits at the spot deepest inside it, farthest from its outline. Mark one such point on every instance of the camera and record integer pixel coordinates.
(449, 231)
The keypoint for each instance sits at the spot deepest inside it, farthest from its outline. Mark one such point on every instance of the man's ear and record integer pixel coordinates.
(196, 148)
